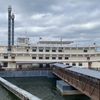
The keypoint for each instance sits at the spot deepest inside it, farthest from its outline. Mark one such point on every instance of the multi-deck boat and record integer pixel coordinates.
(43, 52)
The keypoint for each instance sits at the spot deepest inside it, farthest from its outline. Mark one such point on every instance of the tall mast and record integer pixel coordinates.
(13, 17)
(9, 28)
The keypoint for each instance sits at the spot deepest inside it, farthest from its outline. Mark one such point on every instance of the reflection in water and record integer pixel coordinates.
(6, 95)
(43, 88)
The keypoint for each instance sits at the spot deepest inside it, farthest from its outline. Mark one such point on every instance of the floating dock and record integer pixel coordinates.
(65, 88)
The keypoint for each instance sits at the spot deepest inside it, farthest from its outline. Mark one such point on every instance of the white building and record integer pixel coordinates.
(48, 52)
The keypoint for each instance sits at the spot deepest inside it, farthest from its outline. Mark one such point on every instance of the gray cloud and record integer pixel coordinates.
(70, 19)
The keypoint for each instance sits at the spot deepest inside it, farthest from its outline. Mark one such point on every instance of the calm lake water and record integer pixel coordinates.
(44, 88)
(5, 95)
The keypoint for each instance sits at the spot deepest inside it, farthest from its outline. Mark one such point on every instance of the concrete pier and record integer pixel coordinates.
(66, 89)
(20, 93)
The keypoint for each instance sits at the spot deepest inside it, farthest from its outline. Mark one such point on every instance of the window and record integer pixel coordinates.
(34, 50)
(59, 50)
(33, 57)
(40, 57)
(80, 64)
(67, 63)
(46, 57)
(73, 64)
(59, 57)
(27, 50)
(47, 50)
(53, 57)
(53, 50)
(85, 50)
(40, 50)
(5, 57)
(88, 58)
(20, 66)
(13, 57)
(66, 57)
(5, 64)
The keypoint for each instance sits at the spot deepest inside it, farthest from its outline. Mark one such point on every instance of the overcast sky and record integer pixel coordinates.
(77, 20)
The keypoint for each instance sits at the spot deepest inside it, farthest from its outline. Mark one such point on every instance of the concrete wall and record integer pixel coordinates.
(34, 73)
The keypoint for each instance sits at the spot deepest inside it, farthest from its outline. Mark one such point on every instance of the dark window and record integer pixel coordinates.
(59, 50)
(5, 64)
(88, 58)
(53, 50)
(53, 57)
(66, 57)
(40, 57)
(80, 64)
(47, 58)
(34, 50)
(73, 64)
(20, 66)
(5, 57)
(13, 57)
(59, 57)
(67, 63)
(27, 50)
(85, 50)
(33, 57)
(47, 50)
(40, 50)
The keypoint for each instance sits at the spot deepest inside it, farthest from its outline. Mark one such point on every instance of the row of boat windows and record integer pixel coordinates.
(49, 57)
(41, 50)
(6, 57)
(13, 57)
(74, 64)
(53, 50)
(88, 58)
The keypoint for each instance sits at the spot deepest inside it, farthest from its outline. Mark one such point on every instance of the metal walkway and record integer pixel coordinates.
(85, 80)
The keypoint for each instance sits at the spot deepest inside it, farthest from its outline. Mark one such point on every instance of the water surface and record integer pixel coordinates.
(6, 95)
(44, 88)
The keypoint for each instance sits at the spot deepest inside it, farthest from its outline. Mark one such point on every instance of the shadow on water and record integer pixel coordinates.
(43, 88)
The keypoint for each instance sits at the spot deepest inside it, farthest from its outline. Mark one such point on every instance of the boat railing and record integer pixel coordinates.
(26, 69)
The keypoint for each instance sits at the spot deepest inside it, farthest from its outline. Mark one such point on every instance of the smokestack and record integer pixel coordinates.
(9, 28)
(13, 17)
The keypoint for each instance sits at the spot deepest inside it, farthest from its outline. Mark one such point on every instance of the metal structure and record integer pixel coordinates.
(88, 85)
(13, 17)
(9, 28)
